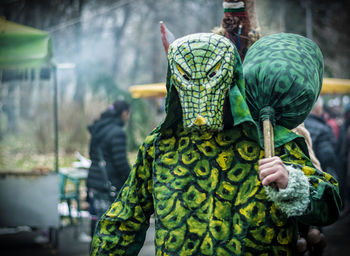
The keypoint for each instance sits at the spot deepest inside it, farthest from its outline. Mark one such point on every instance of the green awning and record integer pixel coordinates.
(23, 47)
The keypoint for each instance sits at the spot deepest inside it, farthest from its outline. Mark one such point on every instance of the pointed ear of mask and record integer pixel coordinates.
(167, 36)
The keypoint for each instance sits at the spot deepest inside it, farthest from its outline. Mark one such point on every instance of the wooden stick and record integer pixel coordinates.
(253, 17)
(272, 140)
(269, 143)
(268, 138)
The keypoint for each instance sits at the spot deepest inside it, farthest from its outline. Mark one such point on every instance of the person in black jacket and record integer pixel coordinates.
(323, 145)
(344, 153)
(109, 165)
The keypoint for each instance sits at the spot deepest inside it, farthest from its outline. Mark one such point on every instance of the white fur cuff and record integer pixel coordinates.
(294, 199)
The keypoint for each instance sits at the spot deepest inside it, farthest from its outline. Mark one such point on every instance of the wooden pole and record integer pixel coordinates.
(252, 15)
(269, 143)
(268, 138)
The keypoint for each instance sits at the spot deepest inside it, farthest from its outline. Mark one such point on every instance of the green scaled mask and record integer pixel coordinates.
(202, 70)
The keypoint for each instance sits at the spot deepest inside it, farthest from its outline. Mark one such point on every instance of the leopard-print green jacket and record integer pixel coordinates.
(206, 197)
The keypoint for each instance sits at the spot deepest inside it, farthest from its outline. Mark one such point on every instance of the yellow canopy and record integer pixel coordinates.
(335, 86)
(329, 86)
(148, 90)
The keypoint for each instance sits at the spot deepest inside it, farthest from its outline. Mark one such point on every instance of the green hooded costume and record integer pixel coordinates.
(198, 171)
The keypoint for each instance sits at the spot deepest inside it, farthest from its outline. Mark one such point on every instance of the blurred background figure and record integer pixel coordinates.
(344, 152)
(108, 153)
(330, 118)
(323, 139)
(324, 146)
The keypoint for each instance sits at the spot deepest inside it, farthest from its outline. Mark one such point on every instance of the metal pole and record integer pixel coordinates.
(308, 19)
(55, 113)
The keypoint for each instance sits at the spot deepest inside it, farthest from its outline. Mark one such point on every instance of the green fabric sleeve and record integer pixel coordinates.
(122, 229)
(325, 202)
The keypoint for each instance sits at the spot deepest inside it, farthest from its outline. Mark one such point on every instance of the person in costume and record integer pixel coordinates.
(202, 172)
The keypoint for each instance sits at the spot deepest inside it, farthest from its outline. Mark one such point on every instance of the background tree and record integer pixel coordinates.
(112, 44)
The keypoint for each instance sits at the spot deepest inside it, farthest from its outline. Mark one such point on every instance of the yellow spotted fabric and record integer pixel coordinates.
(204, 191)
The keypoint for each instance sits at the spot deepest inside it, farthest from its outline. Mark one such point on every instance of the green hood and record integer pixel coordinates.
(235, 99)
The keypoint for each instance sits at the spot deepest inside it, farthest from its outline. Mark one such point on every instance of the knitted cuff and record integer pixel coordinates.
(294, 199)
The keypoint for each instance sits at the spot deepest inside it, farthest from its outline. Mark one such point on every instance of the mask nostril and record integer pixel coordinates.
(200, 120)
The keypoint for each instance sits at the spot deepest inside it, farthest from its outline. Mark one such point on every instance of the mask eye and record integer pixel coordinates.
(183, 73)
(214, 71)
(212, 74)
(186, 77)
